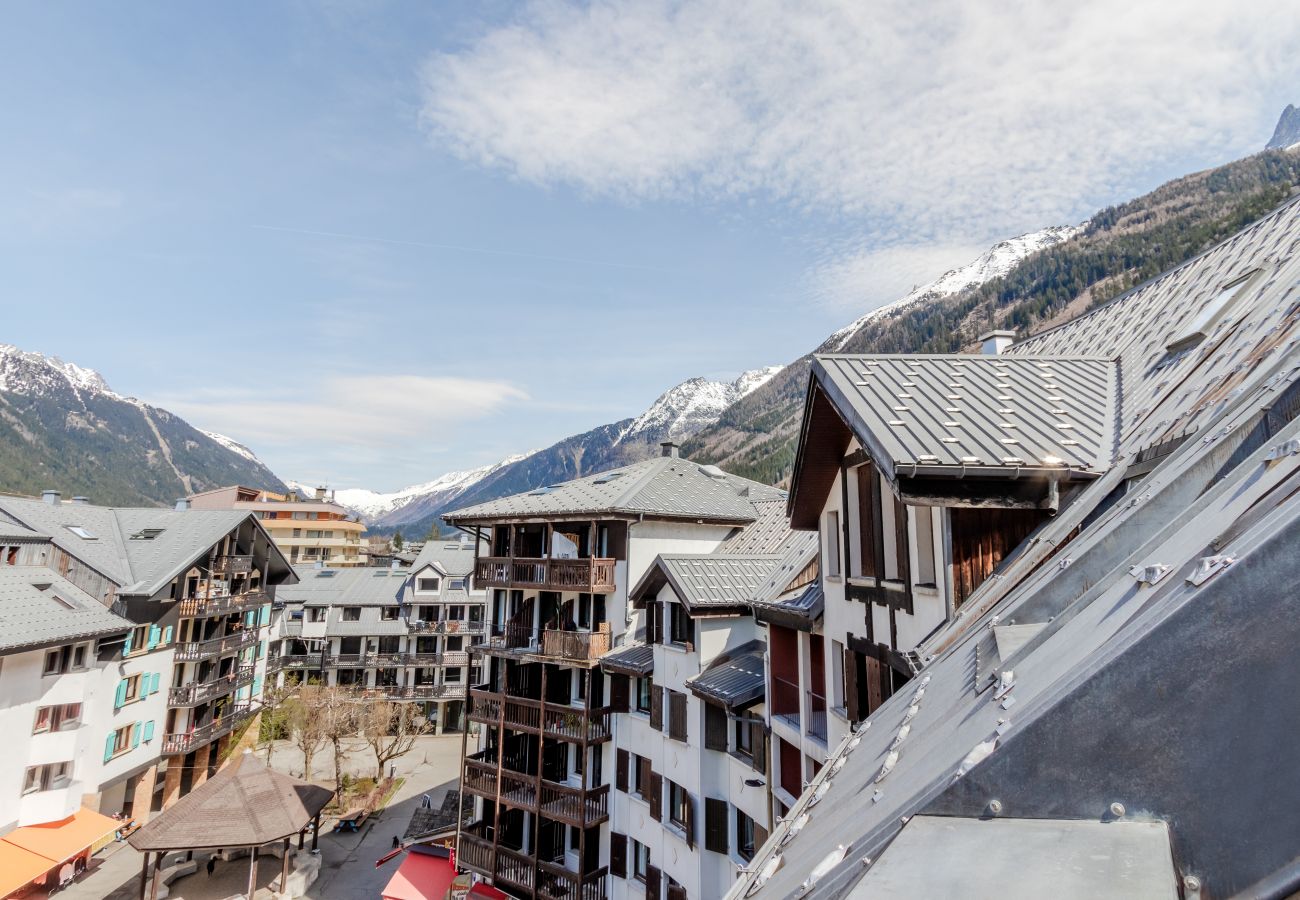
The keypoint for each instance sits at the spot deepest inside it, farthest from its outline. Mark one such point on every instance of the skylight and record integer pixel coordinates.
(81, 532)
(1199, 328)
(146, 534)
(326, 573)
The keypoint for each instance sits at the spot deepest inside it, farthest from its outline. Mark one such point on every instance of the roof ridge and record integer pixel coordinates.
(654, 467)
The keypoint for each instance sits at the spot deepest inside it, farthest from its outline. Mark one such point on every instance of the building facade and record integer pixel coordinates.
(307, 531)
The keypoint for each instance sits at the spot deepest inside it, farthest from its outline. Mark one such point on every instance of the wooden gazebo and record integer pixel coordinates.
(246, 804)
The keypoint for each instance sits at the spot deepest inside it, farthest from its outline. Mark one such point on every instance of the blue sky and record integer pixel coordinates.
(377, 242)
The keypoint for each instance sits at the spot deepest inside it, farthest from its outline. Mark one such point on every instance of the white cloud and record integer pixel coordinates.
(950, 121)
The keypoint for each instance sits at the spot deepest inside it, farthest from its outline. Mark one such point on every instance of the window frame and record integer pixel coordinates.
(350, 614)
(833, 556)
(679, 801)
(422, 585)
(644, 691)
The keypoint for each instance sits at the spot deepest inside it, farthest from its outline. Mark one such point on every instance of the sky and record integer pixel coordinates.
(377, 242)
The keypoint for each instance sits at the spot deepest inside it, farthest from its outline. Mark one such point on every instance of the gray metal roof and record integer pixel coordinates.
(345, 587)
(770, 533)
(951, 414)
(449, 557)
(633, 659)
(734, 679)
(40, 607)
(663, 487)
(12, 531)
(703, 580)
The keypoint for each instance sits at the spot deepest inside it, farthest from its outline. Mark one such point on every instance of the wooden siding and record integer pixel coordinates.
(981, 539)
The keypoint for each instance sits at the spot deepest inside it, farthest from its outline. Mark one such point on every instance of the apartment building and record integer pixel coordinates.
(694, 794)
(307, 531)
(562, 560)
(1054, 578)
(393, 633)
(132, 652)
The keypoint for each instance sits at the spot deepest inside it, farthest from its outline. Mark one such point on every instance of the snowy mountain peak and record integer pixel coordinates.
(995, 262)
(233, 446)
(1287, 132)
(27, 372)
(693, 405)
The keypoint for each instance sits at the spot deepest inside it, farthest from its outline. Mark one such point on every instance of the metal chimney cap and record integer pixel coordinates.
(51, 497)
(670, 448)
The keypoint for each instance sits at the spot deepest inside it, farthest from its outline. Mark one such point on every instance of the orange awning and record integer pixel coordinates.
(421, 877)
(66, 838)
(19, 867)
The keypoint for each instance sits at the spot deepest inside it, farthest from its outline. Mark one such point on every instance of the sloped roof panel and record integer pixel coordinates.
(735, 680)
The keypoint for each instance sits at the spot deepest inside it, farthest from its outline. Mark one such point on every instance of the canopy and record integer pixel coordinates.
(420, 877)
(19, 867)
(29, 852)
(246, 804)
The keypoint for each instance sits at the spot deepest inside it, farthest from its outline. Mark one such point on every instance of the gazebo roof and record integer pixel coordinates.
(246, 804)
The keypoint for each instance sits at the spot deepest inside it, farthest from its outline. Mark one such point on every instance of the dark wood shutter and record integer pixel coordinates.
(690, 631)
(676, 891)
(645, 777)
(869, 537)
(760, 836)
(656, 796)
(618, 693)
(689, 823)
(715, 825)
(621, 759)
(618, 854)
(715, 727)
(677, 716)
(849, 671)
(758, 744)
(657, 708)
(652, 880)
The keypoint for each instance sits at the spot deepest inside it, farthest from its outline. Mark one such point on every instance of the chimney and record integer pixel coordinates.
(395, 564)
(670, 448)
(995, 342)
(80, 501)
(320, 493)
(51, 497)
(182, 504)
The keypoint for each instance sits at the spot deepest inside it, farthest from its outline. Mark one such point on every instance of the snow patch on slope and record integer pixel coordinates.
(233, 446)
(693, 405)
(997, 261)
(27, 372)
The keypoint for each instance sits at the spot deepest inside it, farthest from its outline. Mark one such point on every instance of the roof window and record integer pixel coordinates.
(81, 532)
(146, 534)
(1199, 328)
(326, 573)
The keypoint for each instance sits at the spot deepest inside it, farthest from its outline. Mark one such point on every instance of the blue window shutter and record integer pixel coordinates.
(154, 633)
(257, 685)
(152, 686)
(120, 700)
(148, 730)
(167, 635)
(261, 650)
(108, 746)
(126, 648)
(135, 734)
(264, 616)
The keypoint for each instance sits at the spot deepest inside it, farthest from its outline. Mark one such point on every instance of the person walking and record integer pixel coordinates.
(212, 864)
(397, 842)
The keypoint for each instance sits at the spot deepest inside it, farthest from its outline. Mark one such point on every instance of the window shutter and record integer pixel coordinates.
(154, 634)
(850, 670)
(120, 700)
(656, 796)
(148, 730)
(758, 743)
(657, 708)
(690, 821)
(652, 879)
(715, 825)
(264, 615)
(676, 891)
(715, 727)
(645, 778)
(655, 622)
(760, 836)
(257, 685)
(155, 680)
(620, 770)
(677, 716)
(108, 746)
(261, 650)
(690, 632)
(618, 693)
(618, 854)
(126, 648)
(135, 734)
(167, 635)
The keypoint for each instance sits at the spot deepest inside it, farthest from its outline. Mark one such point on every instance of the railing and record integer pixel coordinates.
(475, 851)
(516, 869)
(415, 692)
(184, 742)
(444, 626)
(555, 720)
(574, 646)
(555, 882)
(231, 565)
(785, 700)
(294, 661)
(594, 576)
(484, 705)
(202, 691)
(389, 660)
(196, 650)
(817, 716)
(459, 658)
(219, 604)
(573, 806)
(577, 724)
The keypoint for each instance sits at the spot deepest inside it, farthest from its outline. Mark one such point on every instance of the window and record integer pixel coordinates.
(316, 614)
(681, 630)
(53, 663)
(82, 532)
(1200, 327)
(79, 656)
(132, 689)
(456, 584)
(744, 738)
(351, 614)
(455, 644)
(48, 777)
(837, 671)
(832, 561)
(640, 859)
(122, 739)
(640, 775)
(312, 534)
(452, 676)
(57, 718)
(924, 518)
(64, 659)
(744, 836)
(428, 585)
(146, 534)
(388, 613)
(679, 806)
(456, 612)
(644, 688)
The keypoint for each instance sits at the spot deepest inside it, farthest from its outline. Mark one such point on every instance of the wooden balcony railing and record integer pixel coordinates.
(201, 692)
(446, 626)
(391, 660)
(555, 720)
(184, 742)
(554, 882)
(196, 650)
(294, 661)
(415, 692)
(514, 869)
(571, 646)
(475, 851)
(216, 604)
(593, 576)
(231, 565)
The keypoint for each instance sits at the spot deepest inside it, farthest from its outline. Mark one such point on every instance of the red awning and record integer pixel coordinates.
(486, 891)
(421, 877)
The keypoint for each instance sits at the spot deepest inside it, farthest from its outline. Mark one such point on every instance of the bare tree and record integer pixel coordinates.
(391, 729)
(304, 722)
(274, 722)
(338, 709)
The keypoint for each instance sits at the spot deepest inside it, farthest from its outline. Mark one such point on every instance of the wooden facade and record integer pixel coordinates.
(981, 539)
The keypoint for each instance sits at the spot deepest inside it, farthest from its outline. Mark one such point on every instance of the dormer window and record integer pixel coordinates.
(428, 585)
(1199, 328)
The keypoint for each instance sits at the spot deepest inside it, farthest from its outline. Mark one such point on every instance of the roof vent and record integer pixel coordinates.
(81, 501)
(670, 448)
(51, 497)
(713, 471)
(994, 343)
(182, 503)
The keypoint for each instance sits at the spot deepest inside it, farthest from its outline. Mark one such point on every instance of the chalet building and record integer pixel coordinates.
(307, 531)
(1059, 590)
(393, 633)
(695, 793)
(131, 701)
(562, 560)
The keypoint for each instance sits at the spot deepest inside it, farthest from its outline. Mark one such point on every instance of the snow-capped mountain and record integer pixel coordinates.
(62, 427)
(1287, 132)
(693, 405)
(995, 262)
(233, 446)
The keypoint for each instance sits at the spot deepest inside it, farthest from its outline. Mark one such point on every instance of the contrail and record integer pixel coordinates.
(538, 256)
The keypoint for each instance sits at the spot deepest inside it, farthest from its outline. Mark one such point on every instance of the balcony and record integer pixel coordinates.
(551, 643)
(557, 801)
(231, 565)
(785, 700)
(515, 870)
(817, 716)
(592, 576)
(203, 691)
(415, 692)
(534, 716)
(446, 626)
(197, 650)
(215, 603)
(184, 742)
(293, 661)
